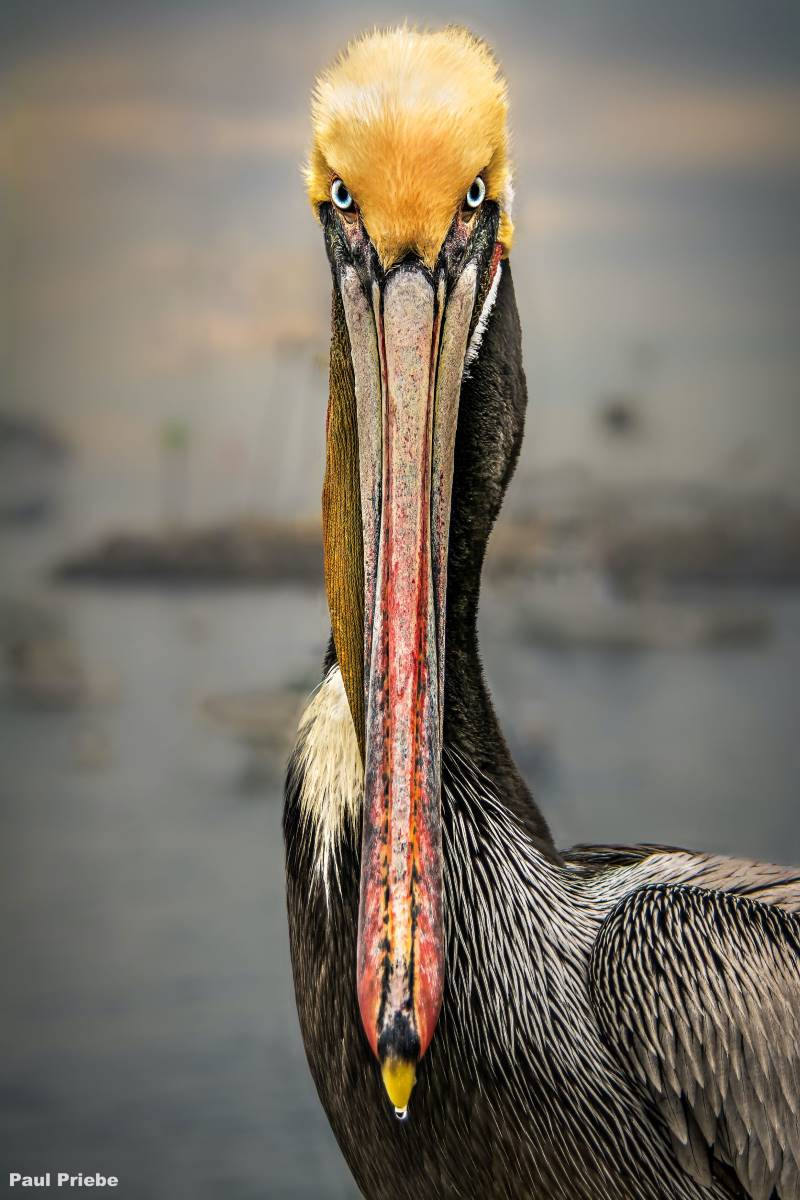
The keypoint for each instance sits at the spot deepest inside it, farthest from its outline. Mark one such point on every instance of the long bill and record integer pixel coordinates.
(408, 343)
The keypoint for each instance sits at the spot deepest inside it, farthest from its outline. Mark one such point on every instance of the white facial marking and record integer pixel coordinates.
(508, 196)
(333, 774)
(477, 335)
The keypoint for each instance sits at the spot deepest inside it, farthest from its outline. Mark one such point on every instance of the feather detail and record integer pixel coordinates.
(408, 119)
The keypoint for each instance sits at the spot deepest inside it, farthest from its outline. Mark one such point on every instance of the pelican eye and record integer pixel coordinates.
(340, 195)
(475, 193)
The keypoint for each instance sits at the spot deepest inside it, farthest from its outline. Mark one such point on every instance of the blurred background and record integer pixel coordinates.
(164, 300)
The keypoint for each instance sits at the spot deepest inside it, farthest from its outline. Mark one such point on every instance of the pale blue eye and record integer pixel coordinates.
(340, 195)
(476, 193)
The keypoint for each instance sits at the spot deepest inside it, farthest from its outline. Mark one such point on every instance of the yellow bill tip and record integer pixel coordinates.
(399, 1077)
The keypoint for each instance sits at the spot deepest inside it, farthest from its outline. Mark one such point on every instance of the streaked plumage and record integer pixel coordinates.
(530, 1087)
(616, 1023)
(697, 990)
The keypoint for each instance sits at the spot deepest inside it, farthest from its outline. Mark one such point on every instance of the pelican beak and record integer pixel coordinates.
(408, 337)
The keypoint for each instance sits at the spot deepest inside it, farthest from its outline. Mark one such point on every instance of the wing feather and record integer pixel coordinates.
(766, 882)
(699, 992)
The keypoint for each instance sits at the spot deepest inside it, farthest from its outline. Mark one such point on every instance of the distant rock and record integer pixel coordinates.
(740, 547)
(589, 620)
(252, 550)
(639, 537)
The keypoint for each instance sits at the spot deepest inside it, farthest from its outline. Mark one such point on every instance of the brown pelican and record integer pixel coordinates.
(602, 1023)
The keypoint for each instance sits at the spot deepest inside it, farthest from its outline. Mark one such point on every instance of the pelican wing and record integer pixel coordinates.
(766, 882)
(699, 993)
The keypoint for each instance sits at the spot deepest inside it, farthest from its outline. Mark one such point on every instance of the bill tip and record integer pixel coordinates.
(399, 1076)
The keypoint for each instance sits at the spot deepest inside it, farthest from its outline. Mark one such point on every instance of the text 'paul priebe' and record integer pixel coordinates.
(61, 1179)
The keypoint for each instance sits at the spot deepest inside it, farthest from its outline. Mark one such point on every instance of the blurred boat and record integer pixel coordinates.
(263, 719)
(41, 665)
(49, 672)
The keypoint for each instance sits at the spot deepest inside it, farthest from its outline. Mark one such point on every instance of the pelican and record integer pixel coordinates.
(604, 1023)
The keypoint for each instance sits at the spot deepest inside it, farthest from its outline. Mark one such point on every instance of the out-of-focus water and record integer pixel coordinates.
(147, 1011)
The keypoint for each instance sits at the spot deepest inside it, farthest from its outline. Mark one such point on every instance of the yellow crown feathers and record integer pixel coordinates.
(408, 119)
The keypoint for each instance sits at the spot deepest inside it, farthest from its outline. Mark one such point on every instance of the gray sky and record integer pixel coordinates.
(159, 246)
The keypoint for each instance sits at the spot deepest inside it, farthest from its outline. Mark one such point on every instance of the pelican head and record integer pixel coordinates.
(410, 178)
